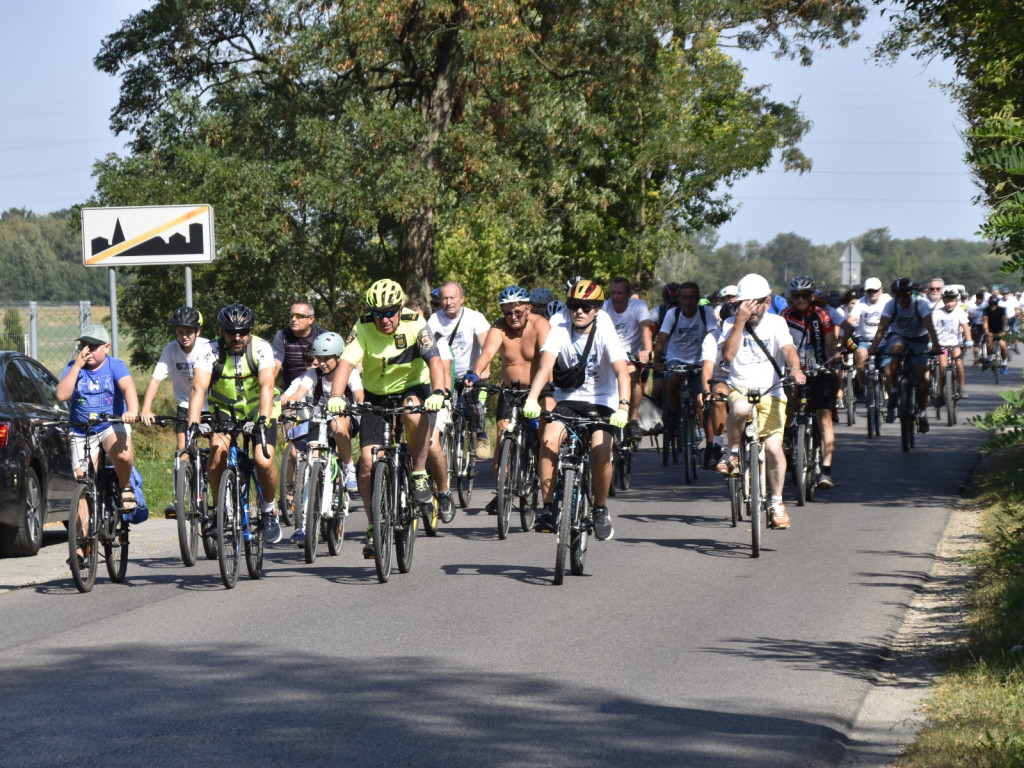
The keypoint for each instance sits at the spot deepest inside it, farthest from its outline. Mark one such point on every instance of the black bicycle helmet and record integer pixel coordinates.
(235, 317)
(189, 317)
(902, 285)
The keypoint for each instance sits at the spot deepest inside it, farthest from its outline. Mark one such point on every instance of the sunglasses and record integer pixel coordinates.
(517, 313)
(805, 296)
(382, 313)
(903, 295)
(300, 316)
(583, 306)
(241, 334)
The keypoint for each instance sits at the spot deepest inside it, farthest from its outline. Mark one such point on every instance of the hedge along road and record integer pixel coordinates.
(676, 648)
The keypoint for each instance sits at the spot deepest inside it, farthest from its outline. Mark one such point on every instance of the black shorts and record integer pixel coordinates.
(822, 391)
(581, 408)
(270, 432)
(371, 426)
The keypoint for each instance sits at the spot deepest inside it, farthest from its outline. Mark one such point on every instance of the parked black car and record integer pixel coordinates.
(36, 480)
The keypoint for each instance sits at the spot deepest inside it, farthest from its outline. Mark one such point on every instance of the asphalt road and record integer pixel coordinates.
(676, 648)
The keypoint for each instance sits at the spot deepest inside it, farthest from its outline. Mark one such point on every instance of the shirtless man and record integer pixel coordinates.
(518, 335)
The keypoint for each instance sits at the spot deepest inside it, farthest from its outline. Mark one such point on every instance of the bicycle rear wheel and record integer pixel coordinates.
(83, 572)
(254, 544)
(186, 510)
(115, 537)
(405, 526)
(334, 527)
(229, 528)
(529, 483)
(506, 483)
(735, 499)
(467, 464)
(849, 400)
(287, 510)
(312, 512)
(625, 467)
(949, 394)
(565, 505)
(383, 515)
(754, 499)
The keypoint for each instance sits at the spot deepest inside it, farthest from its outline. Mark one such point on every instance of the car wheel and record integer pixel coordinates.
(25, 540)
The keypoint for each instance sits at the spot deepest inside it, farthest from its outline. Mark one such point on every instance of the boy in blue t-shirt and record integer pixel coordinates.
(95, 383)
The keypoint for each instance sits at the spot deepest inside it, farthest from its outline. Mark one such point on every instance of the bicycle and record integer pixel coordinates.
(906, 394)
(935, 385)
(747, 488)
(236, 528)
(849, 397)
(876, 397)
(460, 448)
(321, 497)
(518, 451)
(106, 525)
(682, 436)
(190, 501)
(574, 492)
(950, 387)
(393, 510)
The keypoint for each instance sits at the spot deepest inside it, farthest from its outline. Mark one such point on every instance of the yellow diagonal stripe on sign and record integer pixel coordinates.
(121, 247)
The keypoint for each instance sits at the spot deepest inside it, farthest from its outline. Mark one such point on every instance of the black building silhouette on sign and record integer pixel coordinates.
(176, 245)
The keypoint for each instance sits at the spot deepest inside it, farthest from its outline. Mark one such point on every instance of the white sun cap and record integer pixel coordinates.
(752, 286)
(872, 284)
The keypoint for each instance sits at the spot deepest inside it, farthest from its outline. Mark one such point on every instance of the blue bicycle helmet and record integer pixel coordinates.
(553, 308)
(542, 296)
(513, 294)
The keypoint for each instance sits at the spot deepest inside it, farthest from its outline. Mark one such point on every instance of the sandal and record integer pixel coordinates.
(128, 503)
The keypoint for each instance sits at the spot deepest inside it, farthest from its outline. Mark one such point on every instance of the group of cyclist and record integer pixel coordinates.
(590, 353)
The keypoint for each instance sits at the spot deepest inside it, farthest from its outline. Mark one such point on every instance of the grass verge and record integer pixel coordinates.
(976, 713)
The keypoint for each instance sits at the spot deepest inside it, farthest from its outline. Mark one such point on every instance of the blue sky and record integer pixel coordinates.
(885, 143)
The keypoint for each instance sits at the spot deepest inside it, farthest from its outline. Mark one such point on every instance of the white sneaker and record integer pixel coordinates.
(351, 484)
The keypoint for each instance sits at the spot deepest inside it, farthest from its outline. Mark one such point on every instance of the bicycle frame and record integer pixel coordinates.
(686, 434)
(317, 495)
(236, 527)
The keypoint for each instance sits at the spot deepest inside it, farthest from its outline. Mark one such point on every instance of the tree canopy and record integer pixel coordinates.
(491, 142)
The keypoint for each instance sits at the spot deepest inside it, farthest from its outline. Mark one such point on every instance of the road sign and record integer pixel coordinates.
(851, 261)
(159, 234)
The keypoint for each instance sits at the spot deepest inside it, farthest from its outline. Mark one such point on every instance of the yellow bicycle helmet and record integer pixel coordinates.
(384, 294)
(585, 290)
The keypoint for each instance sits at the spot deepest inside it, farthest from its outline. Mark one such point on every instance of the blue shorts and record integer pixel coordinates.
(917, 349)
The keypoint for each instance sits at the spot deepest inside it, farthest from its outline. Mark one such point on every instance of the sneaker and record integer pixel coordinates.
(709, 457)
(170, 512)
(546, 521)
(963, 394)
(368, 552)
(483, 447)
(603, 524)
(446, 507)
(209, 526)
(729, 464)
(922, 422)
(825, 481)
(492, 506)
(271, 528)
(351, 484)
(777, 517)
(421, 492)
(298, 538)
(1005, 370)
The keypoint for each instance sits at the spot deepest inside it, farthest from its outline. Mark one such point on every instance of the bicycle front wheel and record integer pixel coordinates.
(383, 515)
(800, 459)
(907, 414)
(311, 512)
(405, 526)
(229, 528)
(253, 543)
(334, 527)
(284, 481)
(186, 509)
(529, 484)
(506, 483)
(467, 464)
(686, 437)
(579, 535)
(115, 537)
(754, 499)
(736, 499)
(565, 511)
(850, 400)
(83, 570)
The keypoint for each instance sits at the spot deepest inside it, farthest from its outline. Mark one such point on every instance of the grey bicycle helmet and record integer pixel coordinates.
(235, 317)
(553, 308)
(328, 343)
(513, 294)
(800, 283)
(188, 317)
(541, 296)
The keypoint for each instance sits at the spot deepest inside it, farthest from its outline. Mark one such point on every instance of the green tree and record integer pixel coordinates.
(340, 142)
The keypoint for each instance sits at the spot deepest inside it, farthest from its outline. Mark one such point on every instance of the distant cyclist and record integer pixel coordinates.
(632, 322)
(952, 324)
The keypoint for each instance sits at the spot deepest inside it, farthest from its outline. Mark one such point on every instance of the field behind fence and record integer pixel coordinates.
(47, 330)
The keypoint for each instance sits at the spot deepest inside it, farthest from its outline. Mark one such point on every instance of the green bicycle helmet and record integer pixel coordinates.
(384, 294)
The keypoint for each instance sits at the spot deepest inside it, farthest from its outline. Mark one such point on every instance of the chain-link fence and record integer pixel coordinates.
(43, 330)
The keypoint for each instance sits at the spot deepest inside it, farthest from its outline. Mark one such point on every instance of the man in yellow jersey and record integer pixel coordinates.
(237, 376)
(401, 364)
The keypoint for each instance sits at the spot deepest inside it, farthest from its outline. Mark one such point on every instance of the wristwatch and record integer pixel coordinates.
(623, 402)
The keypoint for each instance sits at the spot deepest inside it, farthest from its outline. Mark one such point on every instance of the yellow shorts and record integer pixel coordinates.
(771, 413)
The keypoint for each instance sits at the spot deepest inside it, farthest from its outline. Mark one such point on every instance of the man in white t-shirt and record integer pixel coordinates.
(177, 361)
(951, 322)
(862, 322)
(751, 368)
(465, 330)
(1011, 305)
(632, 320)
(605, 389)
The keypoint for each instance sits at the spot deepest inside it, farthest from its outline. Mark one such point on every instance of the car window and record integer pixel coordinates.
(18, 385)
(45, 381)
